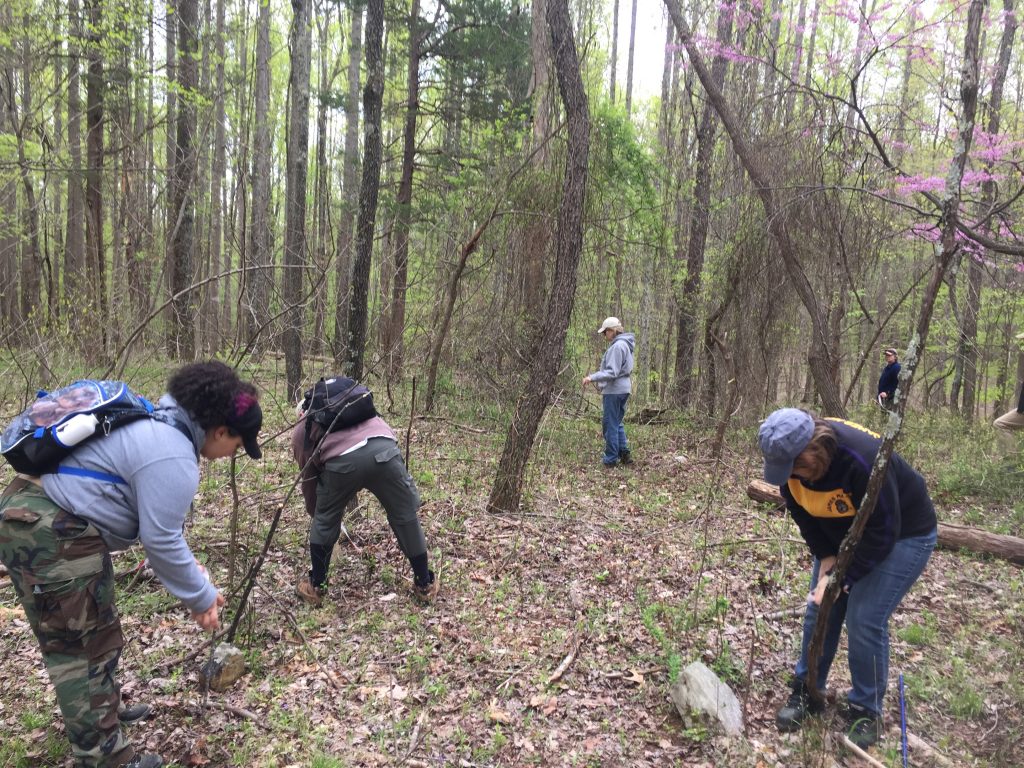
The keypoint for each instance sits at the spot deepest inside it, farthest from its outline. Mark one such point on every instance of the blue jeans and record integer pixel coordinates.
(866, 610)
(614, 411)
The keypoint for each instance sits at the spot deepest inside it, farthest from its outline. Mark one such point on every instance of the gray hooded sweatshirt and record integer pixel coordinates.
(161, 468)
(616, 365)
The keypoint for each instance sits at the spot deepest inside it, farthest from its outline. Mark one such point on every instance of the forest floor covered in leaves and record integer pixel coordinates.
(557, 630)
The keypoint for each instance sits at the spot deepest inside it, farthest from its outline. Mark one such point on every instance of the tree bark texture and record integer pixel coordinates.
(350, 191)
(94, 300)
(297, 170)
(395, 347)
(534, 400)
(183, 274)
(369, 187)
(74, 243)
(259, 276)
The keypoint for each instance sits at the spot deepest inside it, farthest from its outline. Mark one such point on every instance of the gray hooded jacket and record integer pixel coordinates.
(616, 365)
(161, 468)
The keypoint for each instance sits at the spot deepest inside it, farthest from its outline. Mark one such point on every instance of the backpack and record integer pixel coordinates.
(337, 403)
(46, 432)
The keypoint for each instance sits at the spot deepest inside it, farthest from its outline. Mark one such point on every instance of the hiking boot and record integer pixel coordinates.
(626, 457)
(425, 593)
(863, 727)
(132, 715)
(308, 593)
(145, 760)
(798, 708)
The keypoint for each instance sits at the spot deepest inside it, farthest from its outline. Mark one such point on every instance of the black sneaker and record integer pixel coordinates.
(132, 715)
(626, 457)
(145, 760)
(798, 708)
(863, 727)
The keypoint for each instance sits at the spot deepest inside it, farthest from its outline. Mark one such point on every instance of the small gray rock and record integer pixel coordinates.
(698, 688)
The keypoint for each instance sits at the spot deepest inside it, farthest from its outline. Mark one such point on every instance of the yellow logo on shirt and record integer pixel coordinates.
(834, 502)
(856, 426)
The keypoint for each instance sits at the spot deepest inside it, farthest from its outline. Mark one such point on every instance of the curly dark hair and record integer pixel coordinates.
(208, 391)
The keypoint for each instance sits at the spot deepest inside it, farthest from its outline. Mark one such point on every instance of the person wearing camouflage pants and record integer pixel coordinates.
(64, 579)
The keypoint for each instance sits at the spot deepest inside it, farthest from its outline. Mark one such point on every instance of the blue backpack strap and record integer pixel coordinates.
(91, 474)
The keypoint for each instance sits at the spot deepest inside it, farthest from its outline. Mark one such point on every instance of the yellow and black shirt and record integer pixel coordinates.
(824, 510)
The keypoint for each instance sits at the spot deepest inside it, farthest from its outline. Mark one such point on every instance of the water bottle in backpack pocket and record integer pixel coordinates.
(46, 432)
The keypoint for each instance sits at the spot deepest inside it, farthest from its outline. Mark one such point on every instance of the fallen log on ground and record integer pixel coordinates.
(999, 545)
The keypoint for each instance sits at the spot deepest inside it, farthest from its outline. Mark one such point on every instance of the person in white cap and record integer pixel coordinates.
(615, 386)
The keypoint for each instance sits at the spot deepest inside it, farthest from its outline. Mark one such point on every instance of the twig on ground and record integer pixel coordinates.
(861, 753)
(566, 662)
(240, 712)
(916, 742)
(785, 613)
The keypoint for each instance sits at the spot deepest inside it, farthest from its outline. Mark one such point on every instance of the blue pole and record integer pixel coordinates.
(903, 721)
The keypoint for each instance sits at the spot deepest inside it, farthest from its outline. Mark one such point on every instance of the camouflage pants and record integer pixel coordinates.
(61, 571)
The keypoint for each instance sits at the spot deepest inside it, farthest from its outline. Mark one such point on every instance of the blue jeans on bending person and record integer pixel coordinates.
(866, 611)
(614, 411)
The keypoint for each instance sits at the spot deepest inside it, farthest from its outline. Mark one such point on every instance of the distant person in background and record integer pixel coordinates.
(889, 379)
(822, 467)
(1013, 419)
(615, 386)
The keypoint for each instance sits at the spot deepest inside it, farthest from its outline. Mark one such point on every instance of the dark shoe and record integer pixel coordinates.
(798, 708)
(308, 593)
(863, 727)
(132, 715)
(146, 760)
(425, 593)
(626, 457)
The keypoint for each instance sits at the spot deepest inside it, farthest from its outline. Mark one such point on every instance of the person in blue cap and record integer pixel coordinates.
(889, 379)
(822, 467)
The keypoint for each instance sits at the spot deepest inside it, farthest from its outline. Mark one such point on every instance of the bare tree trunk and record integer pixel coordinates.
(218, 288)
(259, 277)
(688, 313)
(10, 309)
(629, 61)
(31, 258)
(822, 359)
(615, 52)
(95, 298)
(967, 351)
(369, 188)
(538, 235)
(170, 118)
(321, 196)
(350, 179)
(508, 483)
(297, 169)
(182, 337)
(395, 347)
(74, 243)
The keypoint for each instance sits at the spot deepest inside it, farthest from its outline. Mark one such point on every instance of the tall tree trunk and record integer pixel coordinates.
(74, 241)
(95, 257)
(369, 187)
(822, 359)
(218, 288)
(182, 336)
(321, 196)
(259, 277)
(297, 169)
(615, 52)
(350, 191)
(687, 311)
(534, 400)
(629, 61)
(31, 257)
(170, 147)
(967, 351)
(538, 234)
(394, 351)
(10, 308)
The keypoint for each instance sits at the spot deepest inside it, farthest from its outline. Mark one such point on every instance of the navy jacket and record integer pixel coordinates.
(889, 379)
(824, 510)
